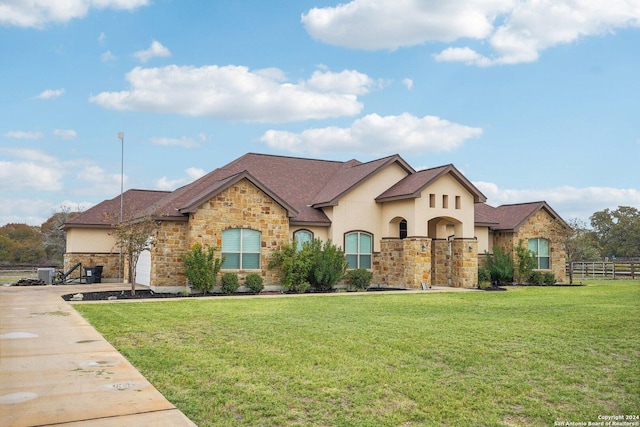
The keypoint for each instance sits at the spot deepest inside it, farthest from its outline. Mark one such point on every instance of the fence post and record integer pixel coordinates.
(633, 270)
(614, 271)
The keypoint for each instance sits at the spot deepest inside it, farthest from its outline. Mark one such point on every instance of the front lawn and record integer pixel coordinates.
(527, 357)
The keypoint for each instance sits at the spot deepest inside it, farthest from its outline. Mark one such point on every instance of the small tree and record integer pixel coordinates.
(201, 267)
(294, 267)
(500, 265)
(525, 263)
(134, 236)
(329, 264)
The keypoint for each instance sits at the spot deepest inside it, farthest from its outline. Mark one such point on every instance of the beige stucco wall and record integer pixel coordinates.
(358, 210)
(321, 233)
(90, 240)
(483, 236)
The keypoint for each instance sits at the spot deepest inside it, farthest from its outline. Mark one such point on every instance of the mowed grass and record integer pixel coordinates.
(527, 357)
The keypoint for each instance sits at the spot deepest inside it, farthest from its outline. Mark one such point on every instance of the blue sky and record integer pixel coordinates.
(531, 100)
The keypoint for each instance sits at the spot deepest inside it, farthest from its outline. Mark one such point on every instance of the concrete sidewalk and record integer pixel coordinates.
(56, 369)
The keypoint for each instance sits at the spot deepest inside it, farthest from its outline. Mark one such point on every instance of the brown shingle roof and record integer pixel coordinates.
(412, 185)
(106, 213)
(510, 217)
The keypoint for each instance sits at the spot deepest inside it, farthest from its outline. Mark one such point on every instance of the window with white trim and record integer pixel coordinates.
(358, 249)
(540, 247)
(241, 249)
(301, 237)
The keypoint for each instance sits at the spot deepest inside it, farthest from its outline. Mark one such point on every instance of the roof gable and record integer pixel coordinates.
(511, 217)
(411, 187)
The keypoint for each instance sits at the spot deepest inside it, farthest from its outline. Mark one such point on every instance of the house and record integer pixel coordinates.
(410, 228)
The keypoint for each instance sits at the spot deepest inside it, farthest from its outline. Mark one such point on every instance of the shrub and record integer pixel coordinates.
(294, 267)
(359, 279)
(254, 283)
(484, 275)
(201, 267)
(230, 283)
(536, 278)
(328, 264)
(500, 266)
(549, 278)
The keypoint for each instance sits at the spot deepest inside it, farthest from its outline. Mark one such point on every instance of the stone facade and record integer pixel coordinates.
(242, 205)
(464, 265)
(539, 225)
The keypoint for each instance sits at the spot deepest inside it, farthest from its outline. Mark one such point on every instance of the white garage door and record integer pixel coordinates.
(143, 269)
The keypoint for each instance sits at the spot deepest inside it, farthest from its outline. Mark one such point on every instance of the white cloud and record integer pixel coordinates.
(515, 31)
(102, 37)
(175, 142)
(96, 180)
(38, 13)
(18, 134)
(156, 50)
(168, 185)
(567, 201)
(408, 83)
(29, 175)
(50, 94)
(107, 56)
(236, 93)
(377, 135)
(65, 133)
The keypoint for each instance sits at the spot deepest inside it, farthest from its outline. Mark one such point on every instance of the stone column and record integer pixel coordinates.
(440, 264)
(464, 263)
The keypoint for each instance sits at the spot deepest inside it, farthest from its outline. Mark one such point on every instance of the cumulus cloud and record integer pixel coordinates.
(408, 83)
(30, 170)
(156, 50)
(175, 142)
(567, 201)
(50, 94)
(39, 13)
(107, 56)
(515, 31)
(96, 180)
(374, 134)
(167, 184)
(18, 134)
(65, 133)
(237, 93)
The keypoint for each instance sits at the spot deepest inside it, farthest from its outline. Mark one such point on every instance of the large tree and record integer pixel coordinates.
(53, 235)
(617, 232)
(580, 244)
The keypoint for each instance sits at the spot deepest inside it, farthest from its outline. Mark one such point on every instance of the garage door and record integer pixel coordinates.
(143, 269)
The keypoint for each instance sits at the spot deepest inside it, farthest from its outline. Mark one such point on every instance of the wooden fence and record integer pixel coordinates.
(605, 270)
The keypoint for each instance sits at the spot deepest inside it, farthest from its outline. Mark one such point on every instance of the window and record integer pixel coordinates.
(458, 202)
(432, 200)
(445, 201)
(241, 249)
(540, 248)
(402, 229)
(301, 237)
(358, 250)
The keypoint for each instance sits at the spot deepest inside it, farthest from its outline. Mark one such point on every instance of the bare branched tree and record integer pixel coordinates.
(134, 235)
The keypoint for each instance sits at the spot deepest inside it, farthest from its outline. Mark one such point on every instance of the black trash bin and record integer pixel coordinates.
(90, 273)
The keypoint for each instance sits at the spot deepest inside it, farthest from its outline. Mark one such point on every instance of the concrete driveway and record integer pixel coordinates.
(56, 369)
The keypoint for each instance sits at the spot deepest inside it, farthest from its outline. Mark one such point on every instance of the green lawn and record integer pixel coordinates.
(529, 356)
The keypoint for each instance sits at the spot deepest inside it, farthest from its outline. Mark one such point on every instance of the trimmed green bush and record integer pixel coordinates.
(359, 279)
(549, 278)
(484, 275)
(201, 267)
(254, 283)
(536, 278)
(230, 283)
(500, 266)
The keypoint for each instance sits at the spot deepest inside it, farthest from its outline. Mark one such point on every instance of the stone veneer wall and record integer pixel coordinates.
(108, 261)
(403, 263)
(242, 205)
(464, 263)
(167, 270)
(441, 266)
(542, 225)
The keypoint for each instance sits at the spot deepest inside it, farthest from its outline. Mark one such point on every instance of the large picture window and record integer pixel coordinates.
(358, 249)
(241, 249)
(301, 237)
(540, 247)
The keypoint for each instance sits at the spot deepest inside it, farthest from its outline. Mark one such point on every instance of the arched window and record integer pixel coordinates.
(241, 249)
(301, 237)
(540, 248)
(358, 249)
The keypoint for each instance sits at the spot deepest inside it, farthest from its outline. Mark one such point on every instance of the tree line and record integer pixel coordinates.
(611, 234)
